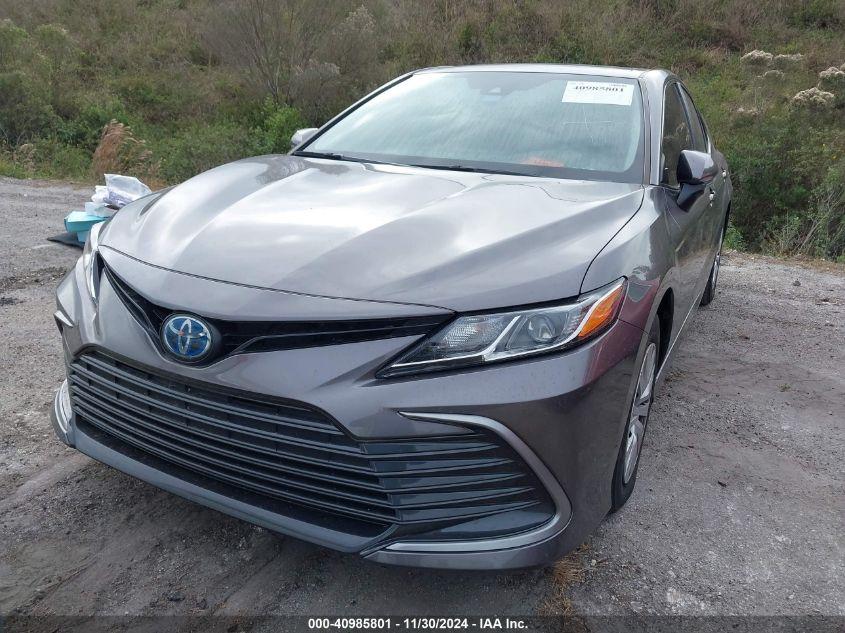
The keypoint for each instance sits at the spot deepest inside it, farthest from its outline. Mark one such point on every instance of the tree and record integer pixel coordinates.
(270, 40)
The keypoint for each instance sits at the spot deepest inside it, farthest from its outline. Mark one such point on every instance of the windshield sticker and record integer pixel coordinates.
(603, 92)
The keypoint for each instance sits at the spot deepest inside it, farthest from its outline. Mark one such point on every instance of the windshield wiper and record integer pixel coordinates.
(331, 155)
(336, 156)
(449, 167)
(467, 168)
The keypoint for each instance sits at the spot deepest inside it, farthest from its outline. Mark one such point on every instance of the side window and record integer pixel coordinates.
(676, 135)
(699, 137)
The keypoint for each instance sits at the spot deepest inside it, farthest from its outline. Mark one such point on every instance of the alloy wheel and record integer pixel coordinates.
(643, 396)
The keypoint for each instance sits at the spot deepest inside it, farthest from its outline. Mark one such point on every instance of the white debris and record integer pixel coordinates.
(125, 189)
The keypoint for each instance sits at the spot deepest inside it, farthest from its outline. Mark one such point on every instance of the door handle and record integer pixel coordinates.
(711, 195)
(724, 173)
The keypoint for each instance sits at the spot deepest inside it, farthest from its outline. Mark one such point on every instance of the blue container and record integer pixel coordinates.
(80, 222)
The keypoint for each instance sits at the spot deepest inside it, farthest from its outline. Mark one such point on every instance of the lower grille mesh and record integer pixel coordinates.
(291, 452)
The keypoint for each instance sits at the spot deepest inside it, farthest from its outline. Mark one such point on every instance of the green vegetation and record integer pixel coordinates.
(195, 84)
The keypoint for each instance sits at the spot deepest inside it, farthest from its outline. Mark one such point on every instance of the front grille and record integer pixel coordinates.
(287, 451)
(262, 336)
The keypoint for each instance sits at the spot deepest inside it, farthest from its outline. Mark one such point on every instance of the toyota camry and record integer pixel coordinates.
(429, 335)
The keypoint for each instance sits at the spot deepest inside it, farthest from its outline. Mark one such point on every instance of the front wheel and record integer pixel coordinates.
(625, 474)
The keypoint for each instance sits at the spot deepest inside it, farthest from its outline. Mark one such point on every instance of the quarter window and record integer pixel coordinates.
(676, 135)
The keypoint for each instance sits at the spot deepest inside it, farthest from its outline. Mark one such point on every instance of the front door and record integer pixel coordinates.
(688, 224)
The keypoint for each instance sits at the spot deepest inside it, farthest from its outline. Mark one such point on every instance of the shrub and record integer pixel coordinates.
(198, 147)
(470, 45)
(86, 128)
(780, 162)
(832, 80)
(822, 14)
(823, 229)
(53, 159)
(757, 58)
(278, 125)
(16, 50)
(786, 60)
(814, 99)
(152, 98)
(25, 110)
(734, 239)
(11, 164)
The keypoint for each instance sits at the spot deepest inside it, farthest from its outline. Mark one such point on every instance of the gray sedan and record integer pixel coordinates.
(430, 335)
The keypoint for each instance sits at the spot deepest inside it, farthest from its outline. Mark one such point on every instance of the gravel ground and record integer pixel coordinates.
(739, 506)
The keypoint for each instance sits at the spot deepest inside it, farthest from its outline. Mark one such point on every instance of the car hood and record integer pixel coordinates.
(458, 240)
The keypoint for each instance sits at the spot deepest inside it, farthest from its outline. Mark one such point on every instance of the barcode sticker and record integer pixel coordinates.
(603, 92)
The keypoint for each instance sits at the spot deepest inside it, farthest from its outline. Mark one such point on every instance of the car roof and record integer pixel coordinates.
(571, 69)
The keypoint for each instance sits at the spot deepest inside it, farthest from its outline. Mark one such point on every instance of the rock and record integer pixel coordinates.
(175, 596)
(796, 283)
(202, 603)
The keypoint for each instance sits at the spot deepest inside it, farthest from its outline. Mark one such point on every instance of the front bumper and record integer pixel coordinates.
(563, 415)
(535, 547)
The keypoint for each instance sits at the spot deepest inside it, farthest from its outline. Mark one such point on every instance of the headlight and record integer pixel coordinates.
(91, 261)
(487, 338)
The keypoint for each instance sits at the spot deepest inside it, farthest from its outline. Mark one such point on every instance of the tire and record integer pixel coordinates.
(628, 459)
(710, 290)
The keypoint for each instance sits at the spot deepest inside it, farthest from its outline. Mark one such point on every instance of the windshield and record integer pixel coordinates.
(535, 124)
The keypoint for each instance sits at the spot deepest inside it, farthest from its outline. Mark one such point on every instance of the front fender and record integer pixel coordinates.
(642, 251)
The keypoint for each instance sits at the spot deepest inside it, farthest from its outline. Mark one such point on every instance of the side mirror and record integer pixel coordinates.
(300, 136)
(696, 168)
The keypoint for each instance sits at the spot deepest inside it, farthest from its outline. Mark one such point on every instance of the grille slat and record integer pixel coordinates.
(266, 460)
(255, 452)
(237, 464)
(202, 467)
(246, 442)
(219, 423)
(114, 372)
